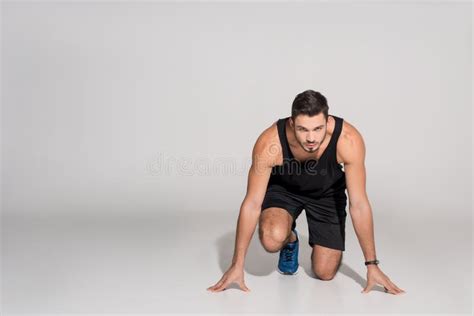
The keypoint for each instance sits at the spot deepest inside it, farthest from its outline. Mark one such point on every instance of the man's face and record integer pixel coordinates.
(309, 131)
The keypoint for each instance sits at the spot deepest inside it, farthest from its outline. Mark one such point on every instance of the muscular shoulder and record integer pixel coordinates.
(350, 145)
(267, 148)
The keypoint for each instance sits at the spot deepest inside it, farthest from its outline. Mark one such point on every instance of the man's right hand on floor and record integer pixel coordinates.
(233, 274)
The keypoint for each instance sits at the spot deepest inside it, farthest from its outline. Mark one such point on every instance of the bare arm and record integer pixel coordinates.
(263, 157)
(250, 209)
(353, 153)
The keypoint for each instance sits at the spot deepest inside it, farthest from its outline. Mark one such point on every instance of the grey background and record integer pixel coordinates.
(141, 115)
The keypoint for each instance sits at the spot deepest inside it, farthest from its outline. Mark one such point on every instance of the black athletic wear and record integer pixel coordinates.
(317, 186)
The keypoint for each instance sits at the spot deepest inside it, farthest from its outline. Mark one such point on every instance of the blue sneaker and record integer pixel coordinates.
(288, 262)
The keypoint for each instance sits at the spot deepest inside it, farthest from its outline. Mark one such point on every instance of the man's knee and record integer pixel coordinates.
(272, 238)
(324, 274)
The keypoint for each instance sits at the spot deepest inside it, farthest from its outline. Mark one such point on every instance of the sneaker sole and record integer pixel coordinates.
(288, 273)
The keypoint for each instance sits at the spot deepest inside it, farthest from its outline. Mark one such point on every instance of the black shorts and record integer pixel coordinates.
(326, 216)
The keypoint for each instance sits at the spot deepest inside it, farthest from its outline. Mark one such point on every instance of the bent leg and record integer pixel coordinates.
(325, 262)
(275, 225)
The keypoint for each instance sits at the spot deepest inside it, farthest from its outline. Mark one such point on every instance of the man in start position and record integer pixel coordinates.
(307, 161)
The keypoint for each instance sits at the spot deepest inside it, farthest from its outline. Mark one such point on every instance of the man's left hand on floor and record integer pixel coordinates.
(376, 276)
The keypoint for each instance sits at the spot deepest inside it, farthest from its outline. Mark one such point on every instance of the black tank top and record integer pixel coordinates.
(312, 178)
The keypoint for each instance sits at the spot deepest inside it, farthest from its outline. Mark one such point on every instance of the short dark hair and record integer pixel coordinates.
(310, 103)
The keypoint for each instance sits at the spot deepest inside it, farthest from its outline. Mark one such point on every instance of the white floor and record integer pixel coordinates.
(62, 263)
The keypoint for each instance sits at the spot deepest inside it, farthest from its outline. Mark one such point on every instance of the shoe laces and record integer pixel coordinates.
(289, 253)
